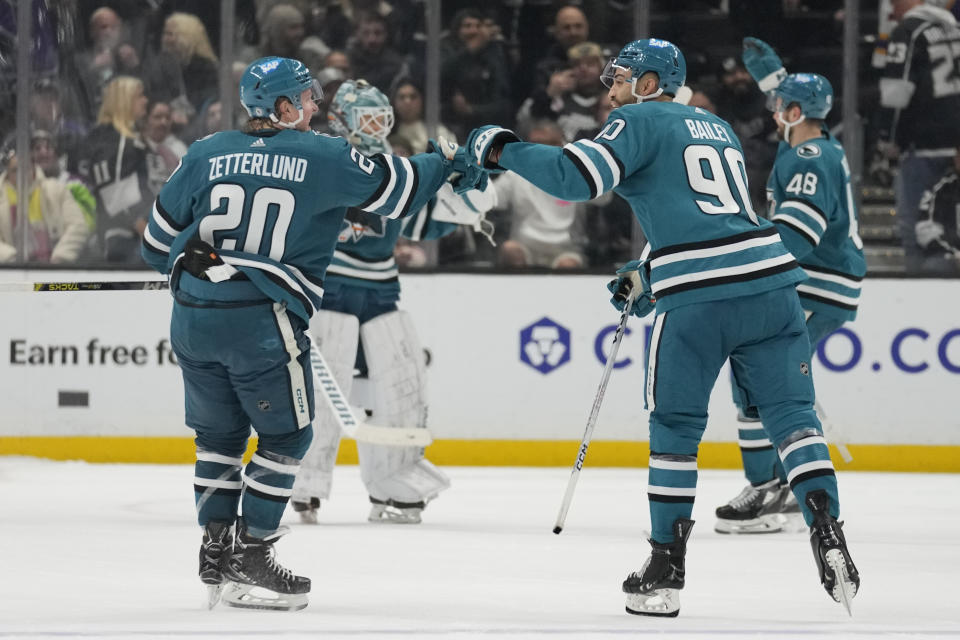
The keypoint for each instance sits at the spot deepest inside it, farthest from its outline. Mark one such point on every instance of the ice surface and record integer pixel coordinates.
(111, 551)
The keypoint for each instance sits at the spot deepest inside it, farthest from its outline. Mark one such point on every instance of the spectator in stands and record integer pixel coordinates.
(339, 60)
(56, 231)
(475, 82)
(570, 27)
(185, 37)
(572, 95)
(43, 152)
(98, 64)
(920, 96)
(371, 56)
(938, 230)
(542, 228)
(283, 33)
(114, 162)
(408, 111)
(740, 102)
(47, 113)
(164, 149)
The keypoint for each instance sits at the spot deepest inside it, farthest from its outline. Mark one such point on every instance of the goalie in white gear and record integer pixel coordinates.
(372, 348)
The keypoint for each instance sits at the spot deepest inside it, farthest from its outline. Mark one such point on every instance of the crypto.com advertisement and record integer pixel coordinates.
(510, 357)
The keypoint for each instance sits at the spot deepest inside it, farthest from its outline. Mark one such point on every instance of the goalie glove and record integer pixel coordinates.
(469, 208)
(464, 176)
(485, 140)
(928, 231)
(763, 63)
(633, 274)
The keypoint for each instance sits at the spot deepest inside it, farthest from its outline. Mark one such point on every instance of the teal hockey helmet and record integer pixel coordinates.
(810, 91)
(658, 56)
(266, 80)
(362, 114)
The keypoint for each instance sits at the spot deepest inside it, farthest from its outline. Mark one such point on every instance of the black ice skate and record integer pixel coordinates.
(838, 574)
(754, 510)
(307, 510)
(257, 580)
(215, 550)
(394, 512)
(654, 590)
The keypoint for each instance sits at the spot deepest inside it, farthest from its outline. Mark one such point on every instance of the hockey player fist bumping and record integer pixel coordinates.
(370, 346)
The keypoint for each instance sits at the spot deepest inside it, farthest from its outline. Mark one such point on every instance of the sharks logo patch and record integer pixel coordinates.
(359, 224)
(808, 151)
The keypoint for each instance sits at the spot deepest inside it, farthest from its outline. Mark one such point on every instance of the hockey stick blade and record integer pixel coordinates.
(594, 412)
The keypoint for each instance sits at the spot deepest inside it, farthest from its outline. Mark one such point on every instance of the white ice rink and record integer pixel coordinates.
(110, 551)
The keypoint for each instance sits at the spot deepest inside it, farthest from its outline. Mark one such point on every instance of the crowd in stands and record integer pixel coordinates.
(122, 87)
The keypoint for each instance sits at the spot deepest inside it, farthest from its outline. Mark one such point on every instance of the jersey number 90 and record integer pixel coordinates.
(706, 175)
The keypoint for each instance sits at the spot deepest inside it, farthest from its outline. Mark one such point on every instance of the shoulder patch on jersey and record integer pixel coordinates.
(808, 150)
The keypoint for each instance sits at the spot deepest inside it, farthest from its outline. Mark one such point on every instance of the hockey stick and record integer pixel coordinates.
(594, 411)
(398, 437)
(831, 433)
(360, 431)
(129, 285)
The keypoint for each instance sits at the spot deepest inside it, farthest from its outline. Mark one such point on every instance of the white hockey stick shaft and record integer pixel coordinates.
(832, 434)
(594, 412)
(353, 428)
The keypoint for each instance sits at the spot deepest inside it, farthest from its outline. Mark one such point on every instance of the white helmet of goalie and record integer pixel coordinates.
(362, 114)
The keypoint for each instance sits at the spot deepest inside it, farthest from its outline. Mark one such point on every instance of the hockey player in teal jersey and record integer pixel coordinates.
(811, 203)
(246, 227)
(359, 327)
(724, 285)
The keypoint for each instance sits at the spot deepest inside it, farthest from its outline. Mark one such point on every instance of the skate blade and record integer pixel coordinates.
(213, 595)
(382, 514)
(845, 589)
(793, 523)
(763, 524)
(246, 596)
(659, 602)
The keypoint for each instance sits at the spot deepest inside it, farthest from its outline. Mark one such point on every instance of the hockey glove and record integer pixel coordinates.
(464, 175)
(482, 141)
(763, 63)
(928, 231)
(633, 274)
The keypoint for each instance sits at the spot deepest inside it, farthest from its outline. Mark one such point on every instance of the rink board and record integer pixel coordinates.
(515, 362)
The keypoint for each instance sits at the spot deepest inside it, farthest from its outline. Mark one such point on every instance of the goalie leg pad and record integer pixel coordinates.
(397, 374)
(337, 335)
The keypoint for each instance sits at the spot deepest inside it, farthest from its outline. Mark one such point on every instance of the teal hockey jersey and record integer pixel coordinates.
(682, 171)
(810, 199)
(272, 202)
(363, 256)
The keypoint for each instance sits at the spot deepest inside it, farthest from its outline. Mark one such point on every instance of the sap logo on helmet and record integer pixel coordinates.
(658, 43)
(545, 345)
(267, 67)
(808, 151)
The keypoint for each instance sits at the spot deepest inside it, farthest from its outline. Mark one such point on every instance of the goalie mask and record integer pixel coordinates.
(362, 114)
(640, 56)
(268, 79)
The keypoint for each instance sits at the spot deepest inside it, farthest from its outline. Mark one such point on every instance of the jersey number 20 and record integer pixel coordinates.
(256, 221)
